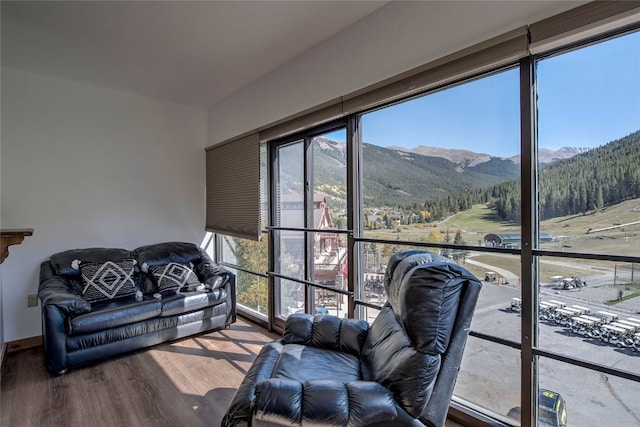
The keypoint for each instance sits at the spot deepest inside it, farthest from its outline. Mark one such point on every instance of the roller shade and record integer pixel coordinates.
(499, 51)
(581, 23)
(321, 114)
(233, 188)
(494, 53)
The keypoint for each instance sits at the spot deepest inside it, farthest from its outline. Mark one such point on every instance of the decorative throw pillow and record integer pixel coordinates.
(173, 277)
(106, 281)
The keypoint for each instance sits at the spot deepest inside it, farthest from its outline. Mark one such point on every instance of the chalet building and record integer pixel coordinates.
(329, 258)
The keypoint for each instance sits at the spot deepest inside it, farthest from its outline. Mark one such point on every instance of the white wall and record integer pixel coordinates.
(396, 38)
(85, 167)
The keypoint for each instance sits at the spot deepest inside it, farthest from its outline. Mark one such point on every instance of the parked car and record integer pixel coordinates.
(552, 409)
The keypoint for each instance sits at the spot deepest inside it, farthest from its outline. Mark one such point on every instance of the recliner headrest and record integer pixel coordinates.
(424, 292)
(409, 259)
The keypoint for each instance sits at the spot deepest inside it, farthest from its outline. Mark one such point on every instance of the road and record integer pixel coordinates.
(511, 277)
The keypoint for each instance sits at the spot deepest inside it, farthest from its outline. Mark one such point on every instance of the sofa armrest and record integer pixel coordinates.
(211, 274)
(56, 291)
(326, 331)
(323, 402)
(54, 339)
(230, 289)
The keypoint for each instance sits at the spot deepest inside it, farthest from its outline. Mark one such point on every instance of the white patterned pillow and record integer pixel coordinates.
(173, 277)
(106, 281)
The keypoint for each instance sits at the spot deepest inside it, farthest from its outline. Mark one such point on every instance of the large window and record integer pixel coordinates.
(442, 172)
(588, 108)
(454, 171)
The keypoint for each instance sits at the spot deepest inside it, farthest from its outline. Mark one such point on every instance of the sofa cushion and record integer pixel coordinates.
(306, 363)
(174, 276)
(165, 253)
(62, 261)
(113, 314)
(185, 302)
(108, 280)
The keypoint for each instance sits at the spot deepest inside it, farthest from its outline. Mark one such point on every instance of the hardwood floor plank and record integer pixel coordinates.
(67, 394)
(28, 403)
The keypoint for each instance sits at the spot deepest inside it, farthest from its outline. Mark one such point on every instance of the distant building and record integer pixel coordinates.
(510, 240)
(329, 258)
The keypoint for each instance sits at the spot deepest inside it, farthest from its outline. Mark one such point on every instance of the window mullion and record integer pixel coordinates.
(528, 205)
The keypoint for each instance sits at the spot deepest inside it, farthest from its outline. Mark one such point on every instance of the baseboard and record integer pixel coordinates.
(24, 344)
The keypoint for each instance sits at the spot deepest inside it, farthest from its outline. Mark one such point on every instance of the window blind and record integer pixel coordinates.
(233, 187)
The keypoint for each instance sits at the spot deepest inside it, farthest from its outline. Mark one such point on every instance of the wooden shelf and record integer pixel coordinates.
(13, 236)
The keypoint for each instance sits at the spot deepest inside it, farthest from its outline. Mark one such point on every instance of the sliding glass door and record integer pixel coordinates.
(308, 228)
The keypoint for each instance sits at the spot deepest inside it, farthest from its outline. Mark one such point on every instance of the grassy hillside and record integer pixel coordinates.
(393, 178)
(581, 237)
(572, 232)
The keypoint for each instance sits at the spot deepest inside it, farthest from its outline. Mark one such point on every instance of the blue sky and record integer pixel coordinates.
(586, 98)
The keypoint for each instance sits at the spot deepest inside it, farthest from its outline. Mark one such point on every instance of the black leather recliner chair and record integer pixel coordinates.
(400, 371)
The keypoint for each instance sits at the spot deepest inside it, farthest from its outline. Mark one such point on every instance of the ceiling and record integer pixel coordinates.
(189, 52)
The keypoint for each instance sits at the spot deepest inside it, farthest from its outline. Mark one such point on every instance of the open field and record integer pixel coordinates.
(622, 240)
(480, 219)
(573, 233)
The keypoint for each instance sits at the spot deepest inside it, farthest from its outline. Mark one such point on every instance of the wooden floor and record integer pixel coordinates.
(184, 383)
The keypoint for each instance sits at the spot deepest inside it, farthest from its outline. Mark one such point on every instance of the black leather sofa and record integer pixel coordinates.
(77, 331)
(398, 371)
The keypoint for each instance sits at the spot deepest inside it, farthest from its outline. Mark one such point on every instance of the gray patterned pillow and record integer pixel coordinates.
(173, 277)
(106, 281)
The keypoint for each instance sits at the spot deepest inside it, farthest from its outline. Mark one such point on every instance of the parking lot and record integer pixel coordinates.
(490, 375)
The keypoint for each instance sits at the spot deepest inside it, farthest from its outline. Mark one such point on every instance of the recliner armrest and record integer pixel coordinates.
(239, 410)
(323, 402)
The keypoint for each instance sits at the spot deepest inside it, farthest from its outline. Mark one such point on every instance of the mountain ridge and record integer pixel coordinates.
(468, 158)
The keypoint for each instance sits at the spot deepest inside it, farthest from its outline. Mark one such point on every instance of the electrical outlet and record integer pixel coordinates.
(32, 300)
